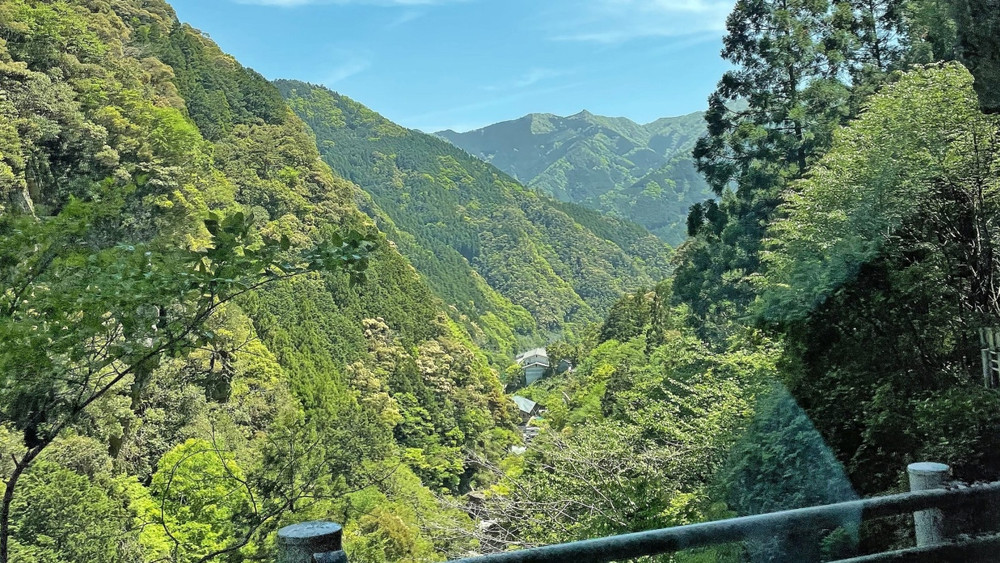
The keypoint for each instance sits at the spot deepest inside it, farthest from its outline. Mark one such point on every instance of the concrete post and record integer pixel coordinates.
(330, 557)
(298, 543)
(928, 524)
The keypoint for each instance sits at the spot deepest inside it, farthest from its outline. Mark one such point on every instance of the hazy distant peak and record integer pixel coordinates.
(540, 123)
(643, 172)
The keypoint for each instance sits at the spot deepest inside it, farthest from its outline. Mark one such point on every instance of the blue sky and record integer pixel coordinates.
(462, 64)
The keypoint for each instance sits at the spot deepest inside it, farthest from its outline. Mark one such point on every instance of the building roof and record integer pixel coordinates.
(524, 403)
(536, 365)
(540, 352)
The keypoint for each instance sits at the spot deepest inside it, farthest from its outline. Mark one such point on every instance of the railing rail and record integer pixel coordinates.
(925, 504)
(672, 540)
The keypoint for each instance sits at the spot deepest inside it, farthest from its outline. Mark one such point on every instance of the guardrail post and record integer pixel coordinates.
(311, 542)
(928, 524)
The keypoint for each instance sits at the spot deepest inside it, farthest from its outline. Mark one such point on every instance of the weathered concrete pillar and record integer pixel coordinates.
(330, 557)
(928, 524)
(298, 543)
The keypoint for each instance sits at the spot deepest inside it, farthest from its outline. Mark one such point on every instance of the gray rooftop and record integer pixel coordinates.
(536, 352)
(524, 403)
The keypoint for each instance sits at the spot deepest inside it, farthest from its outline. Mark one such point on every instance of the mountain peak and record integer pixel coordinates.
(610, 164)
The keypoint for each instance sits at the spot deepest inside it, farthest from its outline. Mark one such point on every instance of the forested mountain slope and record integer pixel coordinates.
(488, 245)
(203, 337)
(643, 173)
(822, 329)
(857, 354)
(204, 334)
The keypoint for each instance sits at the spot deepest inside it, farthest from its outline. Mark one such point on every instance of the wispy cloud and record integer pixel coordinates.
(531, 77)
(296, 3)
(404, 18)
(346, 63)
(346, 70)
(616, 21)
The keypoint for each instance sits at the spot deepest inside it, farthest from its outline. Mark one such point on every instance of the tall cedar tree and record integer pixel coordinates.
(802, 68)
(763, 130)
(978, 22)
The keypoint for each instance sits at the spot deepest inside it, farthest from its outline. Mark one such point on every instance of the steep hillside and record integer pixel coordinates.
(185, 363)
(643, 173)
(484, 242)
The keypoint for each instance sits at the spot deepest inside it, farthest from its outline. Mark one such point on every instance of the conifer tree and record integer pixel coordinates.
(767, 120)
(978, 23)
(777, 53)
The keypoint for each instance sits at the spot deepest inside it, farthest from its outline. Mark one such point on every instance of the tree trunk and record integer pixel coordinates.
(8, 500)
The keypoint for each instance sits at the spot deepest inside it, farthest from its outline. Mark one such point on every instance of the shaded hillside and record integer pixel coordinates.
(642, 173)
(462, 222)
(185, 365)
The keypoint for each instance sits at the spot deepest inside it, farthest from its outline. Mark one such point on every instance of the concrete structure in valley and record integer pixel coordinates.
(534, 363)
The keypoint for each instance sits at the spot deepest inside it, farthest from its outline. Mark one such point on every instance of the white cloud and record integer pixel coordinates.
(404, 18)
(535, 76)
(346, 70)
(344, 63)
(531, 77)
(615, 21)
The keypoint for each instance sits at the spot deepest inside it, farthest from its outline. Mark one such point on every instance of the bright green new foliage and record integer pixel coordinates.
(207, 333)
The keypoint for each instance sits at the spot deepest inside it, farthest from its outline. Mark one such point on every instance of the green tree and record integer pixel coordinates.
(977, 24)
(767, 120)
(881, 272)
(781, 463)
(77, 509)
(777, 50)
(204, 499)
(83, 318)
(901, 157)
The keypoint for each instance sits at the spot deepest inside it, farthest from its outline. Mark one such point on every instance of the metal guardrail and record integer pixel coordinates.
(978, 549)
(926, 505)
(680, 538)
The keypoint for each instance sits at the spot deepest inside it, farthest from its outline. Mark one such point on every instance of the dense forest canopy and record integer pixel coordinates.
(230, 304)
(203, 336)
(488, 245)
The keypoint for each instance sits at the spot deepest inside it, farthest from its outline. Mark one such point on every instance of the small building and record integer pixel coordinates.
(528, 408)
(534, 363)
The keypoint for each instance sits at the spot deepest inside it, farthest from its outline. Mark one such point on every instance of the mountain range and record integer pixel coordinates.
(182, 233)
(642, 173)
(505, 256)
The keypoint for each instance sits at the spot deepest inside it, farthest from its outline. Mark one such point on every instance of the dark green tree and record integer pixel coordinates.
(880, 273)
(758, 129)
(978, 22)
(767, 120)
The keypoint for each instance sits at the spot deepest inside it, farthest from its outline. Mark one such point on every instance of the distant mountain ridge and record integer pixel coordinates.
(639, 172)
(499, 253)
